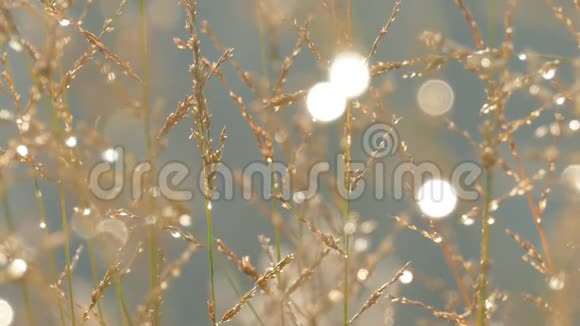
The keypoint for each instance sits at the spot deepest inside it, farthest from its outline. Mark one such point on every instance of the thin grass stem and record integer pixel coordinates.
(146, 89)
(63, 216)
(51, 256)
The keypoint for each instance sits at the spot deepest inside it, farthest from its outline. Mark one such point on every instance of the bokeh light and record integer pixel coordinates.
(22, 150)
(436, 198)
(17, 268)
(325, 102)
(435, 97)
(6, 313)
(350, 73)
(571, 176)
(406, 277)
(110, 155)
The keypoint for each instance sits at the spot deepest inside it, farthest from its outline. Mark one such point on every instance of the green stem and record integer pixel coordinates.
(122, 304)
(67, 250)
(485, 229)
(152, 231)
(209, 219)
(347, 181)
(483, 278)
(346, 219)
(44, 221)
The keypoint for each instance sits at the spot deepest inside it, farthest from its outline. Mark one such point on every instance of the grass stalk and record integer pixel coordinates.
(483, 278)
(347, 129)
(63, 216)
(482, 288)
(209, 219)
(347, 216)
(146, 101)
(122, 304)
(51, 256)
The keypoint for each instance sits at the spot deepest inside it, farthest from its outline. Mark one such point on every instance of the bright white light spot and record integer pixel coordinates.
(185, 220)
(84, 223)
(325, 102)
(209, 206)
(467, 220)
(435, 97)
(493, 205)
(17, 268)
(549, 74)
(436, 198)
(560, 100)
(574, 125)
(523, 56)
(350, 73)
(571, 176)
(175, 234)
(42, 225)
(111, 77)
(22, 150)
(557, 282)
(64, 22)
(362, 274)
(71, 141)
(110, 155)
(6, 313)
(406, 277)
(15, 45)
(488, 304)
